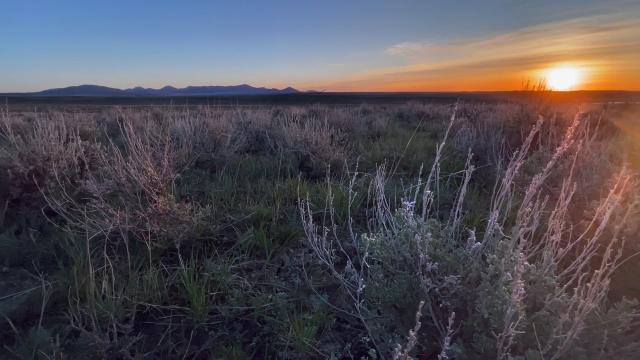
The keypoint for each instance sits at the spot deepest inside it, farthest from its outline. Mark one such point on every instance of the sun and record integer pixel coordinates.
(563, 79)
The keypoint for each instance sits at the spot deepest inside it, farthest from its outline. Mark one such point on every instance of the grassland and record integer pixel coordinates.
(448, 231)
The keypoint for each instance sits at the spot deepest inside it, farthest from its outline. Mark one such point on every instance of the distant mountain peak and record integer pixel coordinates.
(215, 90)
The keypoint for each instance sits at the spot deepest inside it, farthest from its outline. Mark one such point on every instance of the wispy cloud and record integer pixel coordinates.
(607, 47)
(409, 49)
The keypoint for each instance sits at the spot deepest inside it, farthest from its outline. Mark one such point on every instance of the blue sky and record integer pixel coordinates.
(335, 45)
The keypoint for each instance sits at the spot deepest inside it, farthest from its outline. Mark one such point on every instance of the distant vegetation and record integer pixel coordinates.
(468, 231)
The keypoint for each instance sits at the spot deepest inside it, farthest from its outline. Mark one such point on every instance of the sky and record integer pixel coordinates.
(355, 45)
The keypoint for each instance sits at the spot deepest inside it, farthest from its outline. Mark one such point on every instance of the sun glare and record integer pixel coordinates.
(563, 79)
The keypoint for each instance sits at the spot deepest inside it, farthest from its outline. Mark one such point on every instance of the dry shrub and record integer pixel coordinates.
(128, 190)
(534, 285)
(32, 154)
(213, 136)
(315, 138)
(358, 121)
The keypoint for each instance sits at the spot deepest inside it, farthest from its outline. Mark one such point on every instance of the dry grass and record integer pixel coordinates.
(200, 233)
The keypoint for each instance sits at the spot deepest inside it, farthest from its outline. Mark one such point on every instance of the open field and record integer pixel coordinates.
(324, 98)
(470, 230)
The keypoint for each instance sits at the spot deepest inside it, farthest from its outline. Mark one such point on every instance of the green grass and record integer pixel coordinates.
(182, 237)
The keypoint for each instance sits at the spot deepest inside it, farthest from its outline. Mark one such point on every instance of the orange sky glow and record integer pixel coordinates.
(603, 50)
(332, 45)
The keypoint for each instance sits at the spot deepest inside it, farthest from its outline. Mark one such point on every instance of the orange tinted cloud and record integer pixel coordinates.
(605, 48)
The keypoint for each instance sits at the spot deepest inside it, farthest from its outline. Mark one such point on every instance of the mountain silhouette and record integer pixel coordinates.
(97, 90)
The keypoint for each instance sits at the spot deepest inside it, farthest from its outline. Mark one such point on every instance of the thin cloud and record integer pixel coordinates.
(409, 49)
(607, 46)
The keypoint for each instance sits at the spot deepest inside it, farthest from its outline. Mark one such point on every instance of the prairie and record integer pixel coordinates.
(467, 230)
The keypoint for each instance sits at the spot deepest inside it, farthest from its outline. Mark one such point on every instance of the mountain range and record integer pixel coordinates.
(97, 90)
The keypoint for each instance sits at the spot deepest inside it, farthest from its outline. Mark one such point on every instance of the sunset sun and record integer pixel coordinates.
(563, 79)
